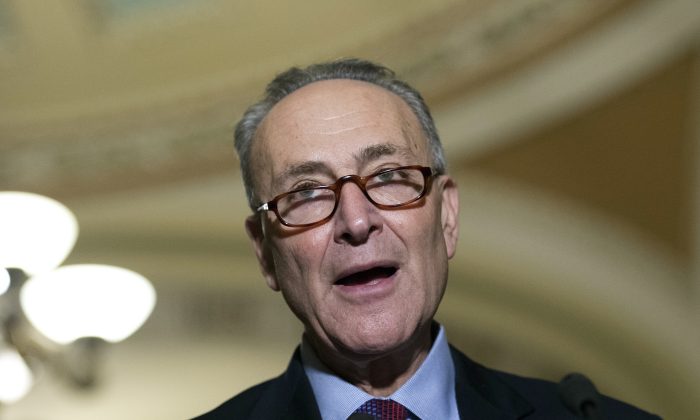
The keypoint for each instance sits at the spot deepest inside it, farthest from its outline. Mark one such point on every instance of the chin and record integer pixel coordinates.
(378, 341)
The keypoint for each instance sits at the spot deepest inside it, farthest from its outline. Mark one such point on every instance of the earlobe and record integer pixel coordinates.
(450, 215)
(253, 226)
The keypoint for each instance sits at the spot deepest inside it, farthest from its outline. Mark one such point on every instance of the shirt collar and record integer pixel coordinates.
(429, 393)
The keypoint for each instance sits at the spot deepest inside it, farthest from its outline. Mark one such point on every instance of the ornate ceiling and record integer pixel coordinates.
(111, 95)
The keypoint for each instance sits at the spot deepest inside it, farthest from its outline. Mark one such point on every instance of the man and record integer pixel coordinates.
(354, 220)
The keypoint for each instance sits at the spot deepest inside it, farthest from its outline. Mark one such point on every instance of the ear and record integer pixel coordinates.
(256, 233)
(450, 214)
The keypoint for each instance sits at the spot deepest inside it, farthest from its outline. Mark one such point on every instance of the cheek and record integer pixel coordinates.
(425, 228)
(426, 244)
(298, 258)
(298, 261)
(290, 267)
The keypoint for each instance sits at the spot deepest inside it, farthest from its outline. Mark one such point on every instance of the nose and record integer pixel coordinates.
(356, 218)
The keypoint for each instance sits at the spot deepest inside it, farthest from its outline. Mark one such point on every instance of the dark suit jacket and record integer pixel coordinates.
(482, 394)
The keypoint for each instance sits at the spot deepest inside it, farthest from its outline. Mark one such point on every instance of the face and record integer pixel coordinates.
(368, 281)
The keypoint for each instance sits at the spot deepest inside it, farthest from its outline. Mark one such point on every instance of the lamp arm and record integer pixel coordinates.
(77, 363)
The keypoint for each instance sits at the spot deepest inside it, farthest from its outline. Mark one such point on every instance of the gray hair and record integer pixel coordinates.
(353, 69)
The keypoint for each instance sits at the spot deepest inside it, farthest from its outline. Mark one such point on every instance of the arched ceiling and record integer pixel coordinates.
(120, 94)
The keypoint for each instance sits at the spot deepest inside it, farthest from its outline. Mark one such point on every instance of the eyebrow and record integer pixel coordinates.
(376, 151)
(303, 168)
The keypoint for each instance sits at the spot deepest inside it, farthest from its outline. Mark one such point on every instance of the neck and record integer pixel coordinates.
(378, 375)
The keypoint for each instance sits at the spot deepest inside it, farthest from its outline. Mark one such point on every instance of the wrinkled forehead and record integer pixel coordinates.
(325, 119)
(330, 102)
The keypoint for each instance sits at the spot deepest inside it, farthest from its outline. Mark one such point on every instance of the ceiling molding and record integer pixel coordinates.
(147, 136)
(617, 54)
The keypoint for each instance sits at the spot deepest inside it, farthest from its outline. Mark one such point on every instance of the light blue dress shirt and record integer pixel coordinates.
(429, 393)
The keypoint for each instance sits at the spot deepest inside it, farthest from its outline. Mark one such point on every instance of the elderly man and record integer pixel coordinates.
(354, 221)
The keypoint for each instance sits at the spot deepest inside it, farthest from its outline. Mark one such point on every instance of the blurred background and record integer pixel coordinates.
(571, 126)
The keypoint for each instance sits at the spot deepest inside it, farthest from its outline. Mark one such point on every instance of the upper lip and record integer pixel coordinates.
(358, 268)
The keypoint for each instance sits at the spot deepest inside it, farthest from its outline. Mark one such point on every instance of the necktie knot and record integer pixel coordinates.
(383, 409)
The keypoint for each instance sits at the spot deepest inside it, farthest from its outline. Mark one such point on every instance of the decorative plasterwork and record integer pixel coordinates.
(457, 50)
(616, 55)
(102, 148)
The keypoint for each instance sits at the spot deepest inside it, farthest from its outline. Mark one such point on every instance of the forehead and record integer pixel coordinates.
(332, 122)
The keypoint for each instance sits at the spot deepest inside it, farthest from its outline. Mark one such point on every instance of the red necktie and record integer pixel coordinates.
(384, 410)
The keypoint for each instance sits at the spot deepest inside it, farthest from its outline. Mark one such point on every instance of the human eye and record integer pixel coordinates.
(386, 176)
(402, 177)
(307, 193)
(396, 186)
(391, 175)
(299, 204)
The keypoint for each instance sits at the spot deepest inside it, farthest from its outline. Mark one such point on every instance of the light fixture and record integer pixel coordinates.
(57, 317)
(38, 232)
(76, 301)
(15, 377)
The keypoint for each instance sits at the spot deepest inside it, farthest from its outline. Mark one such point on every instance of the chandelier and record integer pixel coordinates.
(52, 316)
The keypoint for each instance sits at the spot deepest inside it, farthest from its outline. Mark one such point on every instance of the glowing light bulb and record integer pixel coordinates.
(36, 232)
(77, 301)
(15, 377)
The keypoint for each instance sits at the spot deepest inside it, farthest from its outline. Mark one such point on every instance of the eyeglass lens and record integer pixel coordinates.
(391, 188)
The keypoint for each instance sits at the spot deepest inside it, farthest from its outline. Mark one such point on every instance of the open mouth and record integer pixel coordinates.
(373, 275)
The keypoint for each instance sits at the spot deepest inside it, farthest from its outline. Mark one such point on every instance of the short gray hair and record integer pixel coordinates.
(350, 68)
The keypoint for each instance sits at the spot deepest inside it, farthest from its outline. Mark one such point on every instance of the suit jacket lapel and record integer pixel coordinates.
(289, 396)
(303, 403)
(482, 395)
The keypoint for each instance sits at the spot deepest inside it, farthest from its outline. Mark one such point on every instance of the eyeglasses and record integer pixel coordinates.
(387, 189)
